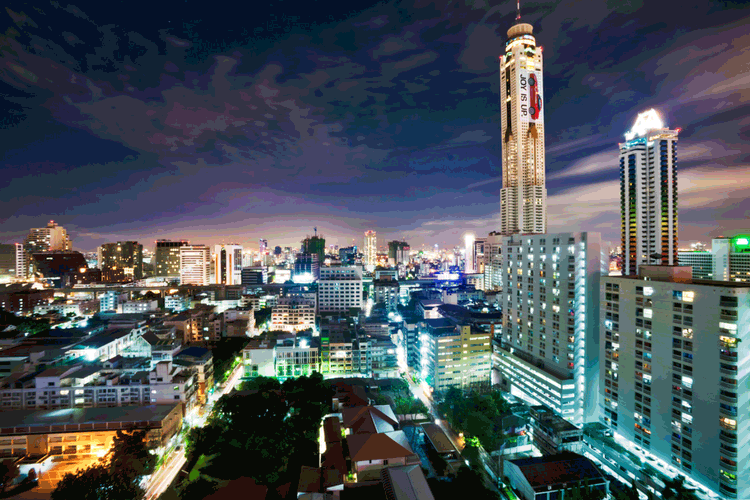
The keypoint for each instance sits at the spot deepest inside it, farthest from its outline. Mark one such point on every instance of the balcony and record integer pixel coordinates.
(728, 399)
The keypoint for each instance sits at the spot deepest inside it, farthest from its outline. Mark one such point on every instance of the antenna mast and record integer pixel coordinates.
(518, 10)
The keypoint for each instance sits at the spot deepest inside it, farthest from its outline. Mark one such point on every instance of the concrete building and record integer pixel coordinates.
(306, 268)
(47, 239)
(228, 264)
(340, 289)
(371, 251)
(22, 298)
(13, 262)
(648, 194)
(549, 349)
(315, 245)
(454, 356)
(254, 275)
(493, 262)
(701, 263)
(200, 360)
(398, 253)
(550, 477)
(553, 434)
(672, 372)
(167, 258)
(523, 197)
(387, 292)
(728, 260)
(121, 262)
(194, 264)
(469, 255)
(293, 314)
(137, 306)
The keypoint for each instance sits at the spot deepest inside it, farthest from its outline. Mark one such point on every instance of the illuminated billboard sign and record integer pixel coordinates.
(448, 276)
(530, 96)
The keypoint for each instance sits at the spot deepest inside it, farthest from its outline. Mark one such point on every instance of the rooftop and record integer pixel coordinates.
(33, 418)
(552, 470)
(380, 446)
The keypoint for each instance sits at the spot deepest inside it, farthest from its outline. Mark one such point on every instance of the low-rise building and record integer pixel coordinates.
(293, 314)
(550, 477)
(201, 360)
(553, 434)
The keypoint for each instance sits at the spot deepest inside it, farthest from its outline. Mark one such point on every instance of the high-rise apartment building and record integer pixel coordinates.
(340, 288)
(648, 194)
(523, 197)
(263, 245)
(492, 261)
(398, 252)
(469, 254)
(371, 250)
(549, 352)
(293, 314)
(121, 262)
(47, 239)
(228, 264)
(13, 262)
(194, 264)
(673, 374)
(168, 258)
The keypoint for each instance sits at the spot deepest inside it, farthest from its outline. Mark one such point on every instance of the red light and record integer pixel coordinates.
(679, 129)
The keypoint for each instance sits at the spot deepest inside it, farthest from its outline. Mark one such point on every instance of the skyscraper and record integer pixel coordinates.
(121, 261)
(47, 239)
(315, 244)
(263, 244)
(168, 258)
(523, 197)
(371, 250)
(648, 194)
(469, 256)
(194, 264)
(228, 264)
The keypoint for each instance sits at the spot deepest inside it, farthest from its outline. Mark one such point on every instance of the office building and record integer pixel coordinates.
(121, 262)
(648, 194)
(22, 298)
(523, 197)
(13, 262)
(263, 245)
(59, 268)
(701, 262)
(228, 264)
(254, 275)
(348, 255)
(168, 258)
(315, 245)
(398, 253)
(194, 264)
(293, 314)
(47, 239)
(371, 250)
(340, 289)
(454, 356)
(306, 268)
(673, 373)
(549, 350)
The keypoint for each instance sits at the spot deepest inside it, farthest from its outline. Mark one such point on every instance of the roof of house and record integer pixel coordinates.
(438, 438)
(104, 338)
(552, 470)
(243, 487)
(194, 352)
(332, 430)
(380, 446)
(407, 482)
(369, 419)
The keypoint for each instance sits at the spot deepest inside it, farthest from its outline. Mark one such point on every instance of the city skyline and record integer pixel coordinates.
(121, 141)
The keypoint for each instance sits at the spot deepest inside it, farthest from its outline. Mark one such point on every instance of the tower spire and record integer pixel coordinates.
(518, 10)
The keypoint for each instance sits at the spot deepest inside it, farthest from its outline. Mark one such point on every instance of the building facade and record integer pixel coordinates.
(121, 261)
(293, 314)
(167, 257)
(454, 356)
(47, 239)
(371, 250)
(194, 264)
(648, 194)
(673, 373)
(228, 264)
(340, 289)
(523, 197)
(549, 348)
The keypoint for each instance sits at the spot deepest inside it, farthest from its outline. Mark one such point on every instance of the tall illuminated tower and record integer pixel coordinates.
(371, 250)
(523, 197)
(470, 254)
(648, 194)
(228, 264)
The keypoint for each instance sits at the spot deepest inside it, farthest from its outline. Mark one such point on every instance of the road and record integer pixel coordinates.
(176, 459)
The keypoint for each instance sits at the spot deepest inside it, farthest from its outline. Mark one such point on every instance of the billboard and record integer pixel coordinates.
(531, 96)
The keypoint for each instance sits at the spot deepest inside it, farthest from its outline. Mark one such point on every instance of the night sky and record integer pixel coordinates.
(230, 121)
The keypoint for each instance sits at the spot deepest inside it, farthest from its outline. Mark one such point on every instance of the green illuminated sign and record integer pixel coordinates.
(742, 241)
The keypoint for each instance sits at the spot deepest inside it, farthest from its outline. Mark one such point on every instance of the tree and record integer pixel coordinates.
(98, 482)
(130, 454)
(8, 472)
(261, 384)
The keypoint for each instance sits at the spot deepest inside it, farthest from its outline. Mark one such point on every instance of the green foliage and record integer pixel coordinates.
(224, 354)
(8, 472)
(260, 384)
(130, 453)
(475, 414)
(410, 406)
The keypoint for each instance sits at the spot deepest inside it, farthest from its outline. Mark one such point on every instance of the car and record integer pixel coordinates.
(535, 98)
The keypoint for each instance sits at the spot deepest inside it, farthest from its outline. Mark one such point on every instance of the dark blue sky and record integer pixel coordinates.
(218, 122)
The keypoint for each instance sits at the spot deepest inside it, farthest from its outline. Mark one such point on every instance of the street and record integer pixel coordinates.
(158, 482)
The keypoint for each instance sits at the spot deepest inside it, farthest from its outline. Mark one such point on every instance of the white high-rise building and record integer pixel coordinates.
(47, 239)
(340, 288)
(493, 262)
(228, 264)
(371, 250)
(22, 264)
(469, 254)
(523, 197)
(648, 194)
(194, 264)
(674, 372)
(549, 351)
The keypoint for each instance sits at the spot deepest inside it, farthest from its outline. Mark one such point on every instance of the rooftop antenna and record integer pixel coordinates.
(316, 231)
(518, 10)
